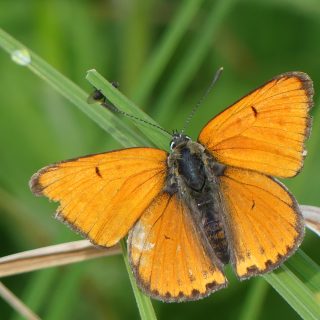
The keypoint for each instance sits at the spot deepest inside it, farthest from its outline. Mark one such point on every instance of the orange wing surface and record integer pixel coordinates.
(169, 256)
(103, 195)
(264, 131)
(263, 221)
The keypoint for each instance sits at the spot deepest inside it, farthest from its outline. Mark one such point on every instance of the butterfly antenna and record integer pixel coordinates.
(97, 96)
(195, 108)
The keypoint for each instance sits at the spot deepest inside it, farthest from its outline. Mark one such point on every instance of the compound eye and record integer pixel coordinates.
(172, 145)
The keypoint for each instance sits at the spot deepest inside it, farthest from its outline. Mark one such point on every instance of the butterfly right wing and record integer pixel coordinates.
(168, 254)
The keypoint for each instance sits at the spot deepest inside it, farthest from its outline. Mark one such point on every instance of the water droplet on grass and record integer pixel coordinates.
(21, 57)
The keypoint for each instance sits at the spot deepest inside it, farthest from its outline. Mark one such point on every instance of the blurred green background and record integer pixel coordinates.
(129, 42)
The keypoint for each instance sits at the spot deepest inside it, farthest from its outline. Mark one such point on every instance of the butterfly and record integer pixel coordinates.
(204, 205)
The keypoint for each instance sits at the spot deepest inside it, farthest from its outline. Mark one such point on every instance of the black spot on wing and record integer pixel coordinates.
(98, 172)
(252, 269)
(168, 295)
(255, 112)
(269, 264)
(195, 293)
(211, 285)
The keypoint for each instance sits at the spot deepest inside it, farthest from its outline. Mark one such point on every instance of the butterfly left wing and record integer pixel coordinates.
(264, 131)
(169, 257)
(103, 195)
(263, 221)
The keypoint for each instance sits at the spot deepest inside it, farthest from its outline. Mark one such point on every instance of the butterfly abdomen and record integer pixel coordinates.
(214, 230)
(211, 222)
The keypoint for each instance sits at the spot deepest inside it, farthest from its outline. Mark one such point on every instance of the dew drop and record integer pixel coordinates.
(21, 57)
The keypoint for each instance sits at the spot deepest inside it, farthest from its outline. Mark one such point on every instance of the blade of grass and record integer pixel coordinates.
(16, 215)
(65, 294)
(52, 256)
(190, 62)
(105, 119)
(253, 302)
(16, 303)
(310, 7)
(311, 216)
(164, 50)
(144, 303)
(136, 31)
(156, 135)
(298, 282)
(307, 271)
(37, 291)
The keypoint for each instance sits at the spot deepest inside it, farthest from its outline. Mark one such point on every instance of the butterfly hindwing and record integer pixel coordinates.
(263, 221)
(103, 195)
(264, 131)
(168, 256)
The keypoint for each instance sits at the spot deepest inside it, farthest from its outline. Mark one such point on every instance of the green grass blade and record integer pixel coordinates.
(108, 121)
(144, 303)
(165, 49)
(190, 62)
(136, 34)
(37, 290)
(307, 271)
(156, 135)
(298, 282)
(65, 294)
(253, 302)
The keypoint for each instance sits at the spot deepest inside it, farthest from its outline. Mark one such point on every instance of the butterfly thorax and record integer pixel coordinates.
(193, 174)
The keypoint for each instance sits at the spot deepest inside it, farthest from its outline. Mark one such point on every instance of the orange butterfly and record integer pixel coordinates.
(205, 204)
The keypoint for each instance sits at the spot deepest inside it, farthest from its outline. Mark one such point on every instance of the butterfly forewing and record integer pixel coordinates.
(103, 195)
(168, 256)
(264, 131)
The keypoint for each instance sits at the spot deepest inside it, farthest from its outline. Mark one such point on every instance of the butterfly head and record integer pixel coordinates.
(178, 140)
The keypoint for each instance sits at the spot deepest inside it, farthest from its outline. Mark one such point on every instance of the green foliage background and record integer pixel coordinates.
(163, 54)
